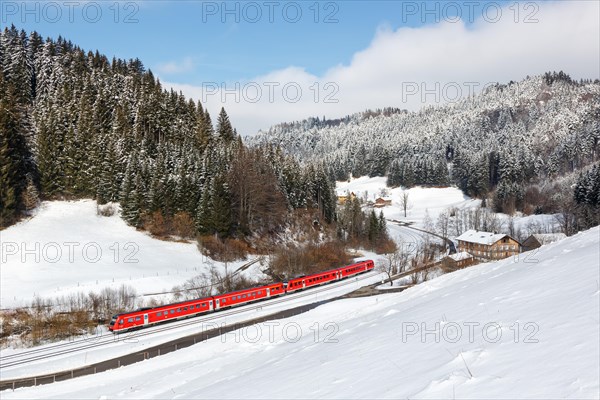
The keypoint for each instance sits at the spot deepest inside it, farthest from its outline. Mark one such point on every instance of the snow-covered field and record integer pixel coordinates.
(518, 328)
(423, 201)
(420, 199)
(66, 247)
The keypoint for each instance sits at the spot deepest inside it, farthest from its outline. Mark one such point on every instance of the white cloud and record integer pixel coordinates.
(410, 67)
(176, 67)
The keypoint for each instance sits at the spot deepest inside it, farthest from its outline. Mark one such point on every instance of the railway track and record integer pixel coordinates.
(61, 349)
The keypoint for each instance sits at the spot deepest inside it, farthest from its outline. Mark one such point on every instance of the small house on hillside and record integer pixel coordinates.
(382, 202)
(487, 245)
(539, 239)
(456, 261)
(342, 197)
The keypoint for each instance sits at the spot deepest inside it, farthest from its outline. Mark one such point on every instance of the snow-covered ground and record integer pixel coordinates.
(420, 199)
(423, 201)
(517, 328)
(66, 247)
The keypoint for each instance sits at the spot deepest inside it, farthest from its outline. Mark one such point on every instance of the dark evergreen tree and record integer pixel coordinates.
(15, 163)
(224, 129)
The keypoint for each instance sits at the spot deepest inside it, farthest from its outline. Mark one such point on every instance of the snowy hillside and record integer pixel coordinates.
(525, 328)
(66, 247)
(539, 126)
(429, 202)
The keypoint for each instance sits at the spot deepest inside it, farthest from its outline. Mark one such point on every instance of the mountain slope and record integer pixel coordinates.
(541, 126)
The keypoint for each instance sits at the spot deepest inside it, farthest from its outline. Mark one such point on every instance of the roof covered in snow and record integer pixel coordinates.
(545, 238)
(479, 237)
(463, 255)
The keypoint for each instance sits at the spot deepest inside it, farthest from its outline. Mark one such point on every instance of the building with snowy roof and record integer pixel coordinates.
(455, 261)
(487, 245)
(539, 239)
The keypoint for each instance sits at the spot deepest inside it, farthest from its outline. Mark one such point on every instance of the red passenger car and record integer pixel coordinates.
(312, 280)
(357, 268)
(247, 295)
(151, 316)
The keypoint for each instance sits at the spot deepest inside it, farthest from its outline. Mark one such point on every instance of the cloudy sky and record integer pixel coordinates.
(275, 61)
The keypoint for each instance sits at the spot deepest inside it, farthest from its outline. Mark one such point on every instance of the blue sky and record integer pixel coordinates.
(215, 40)
(374, 53)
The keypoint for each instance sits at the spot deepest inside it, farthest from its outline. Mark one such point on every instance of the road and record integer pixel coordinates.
(402, 231)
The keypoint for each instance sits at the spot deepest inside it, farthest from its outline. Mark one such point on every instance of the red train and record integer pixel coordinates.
(170, 312)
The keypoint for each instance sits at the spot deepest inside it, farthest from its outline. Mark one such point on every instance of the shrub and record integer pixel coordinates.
(293, 260)
(224, 250)
(155, 223)
(183, 225)
(106, 210)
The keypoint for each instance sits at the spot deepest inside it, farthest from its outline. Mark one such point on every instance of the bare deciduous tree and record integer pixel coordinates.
(257, 199)
(443, 223)
(404, 201)
(396, 262)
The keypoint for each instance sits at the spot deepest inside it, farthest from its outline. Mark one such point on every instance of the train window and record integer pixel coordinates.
(179, 310)
(129, 319)
(138, 318)
(158, 314)
(172, 311)
(120, 322)
(224, 301)
(203, 304)
(185, 308)
(243, 296)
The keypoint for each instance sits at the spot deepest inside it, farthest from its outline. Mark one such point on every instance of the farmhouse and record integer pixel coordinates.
(342, 197)
(487, 245)
(456, 261)
(539, 239)
(382, 202)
